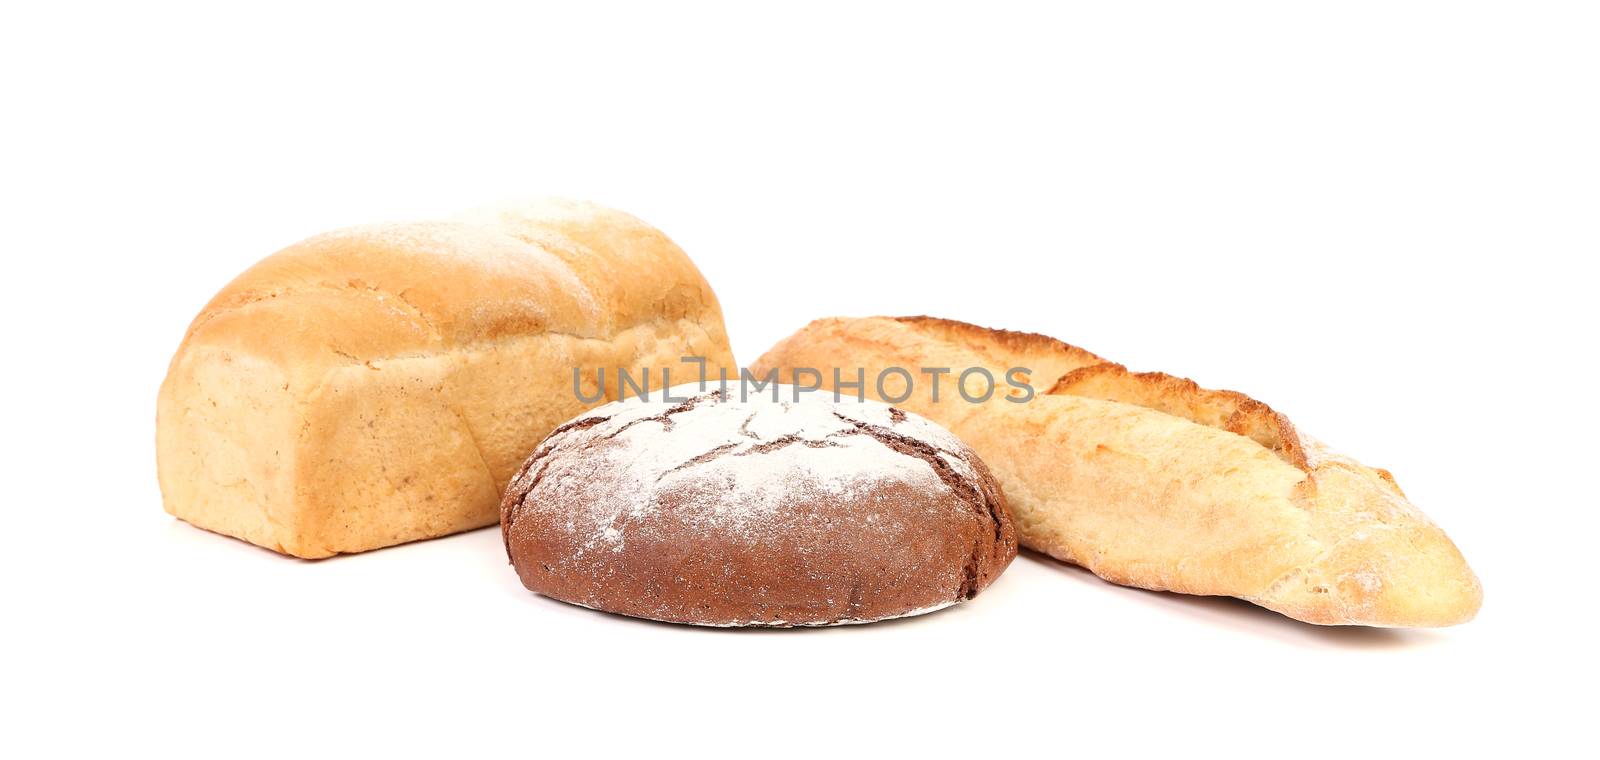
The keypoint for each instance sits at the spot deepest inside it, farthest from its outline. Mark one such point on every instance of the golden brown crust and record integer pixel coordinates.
(1045, 357)
(1010, 344)
(1094, 377)
(1149, 480)
(379, 384)
(1225, 410)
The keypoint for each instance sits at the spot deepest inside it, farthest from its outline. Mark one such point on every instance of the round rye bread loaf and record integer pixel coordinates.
(698, 507)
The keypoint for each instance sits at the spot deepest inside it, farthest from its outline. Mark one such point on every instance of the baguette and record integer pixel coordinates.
(1149, 480)
(382, 384)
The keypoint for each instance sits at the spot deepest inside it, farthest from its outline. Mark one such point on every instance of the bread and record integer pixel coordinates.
(709, 510)
(381, 384)
(1149, 480)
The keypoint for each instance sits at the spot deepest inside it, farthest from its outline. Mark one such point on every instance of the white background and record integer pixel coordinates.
(1380, 218)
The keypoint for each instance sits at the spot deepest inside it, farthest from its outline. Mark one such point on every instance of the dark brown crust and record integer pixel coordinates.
(543, 450)
(829, 564)
(990, 554)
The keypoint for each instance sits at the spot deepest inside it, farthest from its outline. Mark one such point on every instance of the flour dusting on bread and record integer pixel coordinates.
(713, 447)
(697, 506)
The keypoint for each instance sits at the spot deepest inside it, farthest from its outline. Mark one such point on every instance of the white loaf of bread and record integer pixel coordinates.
(381, 384)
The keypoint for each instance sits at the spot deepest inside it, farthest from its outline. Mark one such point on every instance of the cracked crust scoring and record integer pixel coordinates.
(717, 512)
(1150, 480)
(380, 384)
(1181, 397)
